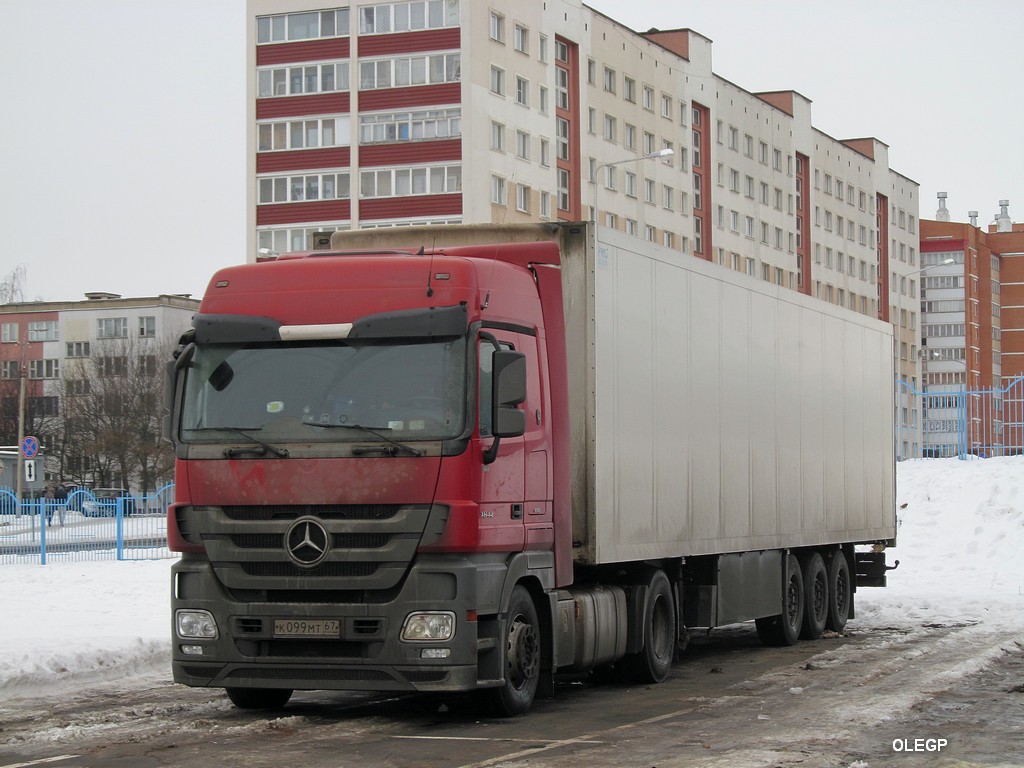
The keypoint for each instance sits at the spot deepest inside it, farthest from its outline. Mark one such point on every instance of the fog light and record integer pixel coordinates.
(435, 653)
(192, 623)
(432, 626)
(192, 650)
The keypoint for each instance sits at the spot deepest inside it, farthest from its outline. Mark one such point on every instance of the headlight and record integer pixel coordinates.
(432, 626)
(190, 623)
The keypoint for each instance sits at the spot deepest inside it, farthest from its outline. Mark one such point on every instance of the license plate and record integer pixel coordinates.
(307, 628)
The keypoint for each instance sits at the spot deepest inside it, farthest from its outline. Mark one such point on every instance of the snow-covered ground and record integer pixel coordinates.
(961, 547)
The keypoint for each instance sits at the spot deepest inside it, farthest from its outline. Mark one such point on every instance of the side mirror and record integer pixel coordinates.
(508, 391)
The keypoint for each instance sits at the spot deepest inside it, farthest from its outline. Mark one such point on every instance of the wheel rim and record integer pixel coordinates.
(661, 636)
(820, 595)
(793, 600)
(523, 653)
(842, 591)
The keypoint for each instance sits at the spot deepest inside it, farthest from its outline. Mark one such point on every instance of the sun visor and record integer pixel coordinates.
(234, 329)
(432, 322)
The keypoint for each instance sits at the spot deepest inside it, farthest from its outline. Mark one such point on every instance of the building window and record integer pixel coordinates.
(545, 205)
(522, 145)
(147, 327)
(407, 17)
(296, 134)
(563, 189)
(429, 69)
(498, 194)
(610, 128)
(609, 79)
(497, 80)
(44, 369)
(497, 27)
(45, 330)
(302, 26)
(522, 91)
(629, 89)
(629, 136)
(521, 39)
(399, 182)
(292, 189)
(9, 369)
(648, 98)
(522, 198)
(77, 349)
(41, 407)
(302, 79)
(666, 106)
(389, 127)
(113, 366)
(112, 328)
(10, 333)
(497, 136)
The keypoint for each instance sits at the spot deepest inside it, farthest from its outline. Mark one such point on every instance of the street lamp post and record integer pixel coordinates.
(897, 349)
(667, 152)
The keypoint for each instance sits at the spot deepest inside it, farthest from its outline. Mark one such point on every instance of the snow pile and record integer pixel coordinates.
(961, 539)
(960, 543)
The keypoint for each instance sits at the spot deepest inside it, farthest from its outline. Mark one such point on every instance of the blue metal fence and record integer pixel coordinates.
(944, 421)
(85, 527)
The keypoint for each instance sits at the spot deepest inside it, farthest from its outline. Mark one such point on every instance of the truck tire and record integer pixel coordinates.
(816, 594)
(654, 661)
(522, 658)
(784, 629)
(259, 698)
(840, 592)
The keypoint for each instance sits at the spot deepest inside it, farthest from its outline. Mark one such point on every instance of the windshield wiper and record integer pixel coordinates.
(260, 449)
(393, 447)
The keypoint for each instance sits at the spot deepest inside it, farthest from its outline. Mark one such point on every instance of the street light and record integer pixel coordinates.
(897, 349)
(667, 152)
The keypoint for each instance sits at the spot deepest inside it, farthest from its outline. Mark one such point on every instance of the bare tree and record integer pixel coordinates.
(12, 290)
(112, 410)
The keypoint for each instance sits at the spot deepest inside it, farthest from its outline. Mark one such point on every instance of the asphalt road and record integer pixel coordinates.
(855, 701)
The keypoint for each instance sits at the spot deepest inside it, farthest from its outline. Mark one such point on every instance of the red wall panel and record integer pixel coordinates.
(304, 50)
(410, 152)
(272, 162)
(408, 42)
(419, 205)
(296, 106)
(413, 96)
(298, 213)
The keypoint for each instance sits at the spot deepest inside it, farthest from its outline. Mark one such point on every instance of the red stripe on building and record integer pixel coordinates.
(333, 157)
(409, 42)
(300, 106)
(405, 207)
(405, 153)
(936, 246)
(296, 213)
(413, 96)
(305, 50)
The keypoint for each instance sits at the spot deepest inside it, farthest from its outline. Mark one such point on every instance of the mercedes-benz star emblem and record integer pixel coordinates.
(307, 542)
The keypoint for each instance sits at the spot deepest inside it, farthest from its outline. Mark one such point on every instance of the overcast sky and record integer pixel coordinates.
(122, 154)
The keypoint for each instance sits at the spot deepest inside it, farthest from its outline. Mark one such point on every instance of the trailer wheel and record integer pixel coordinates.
(259, 698)
(840, 592)
(654, 661)
(816, 597)
(522, 658)
(784, 629)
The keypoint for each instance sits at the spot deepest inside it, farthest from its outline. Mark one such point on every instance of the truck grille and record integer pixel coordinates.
(371, 546)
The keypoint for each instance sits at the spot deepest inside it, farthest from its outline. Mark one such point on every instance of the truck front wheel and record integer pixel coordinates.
(522, 657)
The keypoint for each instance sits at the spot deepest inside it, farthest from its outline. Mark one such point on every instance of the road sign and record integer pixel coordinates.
(30, 447)
(30, 470)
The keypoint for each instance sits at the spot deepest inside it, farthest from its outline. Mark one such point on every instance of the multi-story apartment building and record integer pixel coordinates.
(972, 316)
(373, 114)
(68, 353)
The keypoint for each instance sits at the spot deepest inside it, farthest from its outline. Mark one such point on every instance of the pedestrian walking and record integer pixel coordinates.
(48, 504)
(61, 497)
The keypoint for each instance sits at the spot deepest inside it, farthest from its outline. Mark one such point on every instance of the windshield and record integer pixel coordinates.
(326, 391)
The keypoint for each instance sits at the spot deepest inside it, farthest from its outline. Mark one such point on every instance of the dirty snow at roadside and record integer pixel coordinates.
(961, 552)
